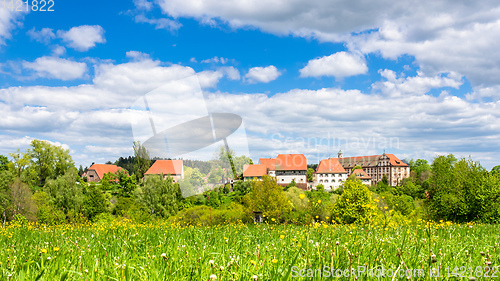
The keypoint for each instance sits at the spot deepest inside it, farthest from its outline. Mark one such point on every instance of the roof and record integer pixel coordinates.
(395, 161)
(370, 161)
(331, 165)
(257, 170)
(102, 169)
(165, 167)
(289, 162)
(360, 174)
(270, 163)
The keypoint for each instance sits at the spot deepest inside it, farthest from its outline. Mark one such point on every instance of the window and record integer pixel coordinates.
(326, 181)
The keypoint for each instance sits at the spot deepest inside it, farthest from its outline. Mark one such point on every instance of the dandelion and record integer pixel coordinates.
(44, 251)
(213, 277)
(253, 262)
(49, 258)
(164, 256)
(302, 196)
(274, 261)
(221, 268)
(282, 236)
(56, 249)
(211, 262)
(319, 201)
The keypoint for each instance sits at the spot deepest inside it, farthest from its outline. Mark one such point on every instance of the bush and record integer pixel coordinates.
(354, 206)
(205, 216)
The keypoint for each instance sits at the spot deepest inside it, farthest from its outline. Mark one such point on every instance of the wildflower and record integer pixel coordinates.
(302, 196)
(255, 278)
(221, 268)
(44, 251)
(213, 277)
(282, 236)
(56, 249)
(319, 201)
(86, 271)
(274, 261)
(211, 262)
(253, 262)
(49, 258)
(164, 256)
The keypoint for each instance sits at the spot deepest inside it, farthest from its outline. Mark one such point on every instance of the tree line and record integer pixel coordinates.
(42, 184)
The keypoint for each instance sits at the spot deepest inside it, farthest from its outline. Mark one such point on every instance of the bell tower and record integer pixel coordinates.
(340, 154)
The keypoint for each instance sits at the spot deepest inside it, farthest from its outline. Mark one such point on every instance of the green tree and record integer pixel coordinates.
(127, 183)
(142, 161)
(309, 174)
(4, 163)
(48, 161)
(6, 180)
(65, 194)
(94, 202)
(353, 206)
(268, 197)
(20, 160)
(160, 197)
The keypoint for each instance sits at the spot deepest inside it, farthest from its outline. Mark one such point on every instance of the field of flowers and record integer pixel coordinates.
(161, 251)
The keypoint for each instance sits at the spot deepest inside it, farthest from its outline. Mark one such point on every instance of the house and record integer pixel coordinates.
(360, 174)
(330, 174)
(173, 168)
(254, 172)
(285, 167)
(97, 171)
(376, 166)
(291, 167)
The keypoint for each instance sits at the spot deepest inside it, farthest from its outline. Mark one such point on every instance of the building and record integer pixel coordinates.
(330, 174)
(376, 166)
(291, 167)
(360, 174)
(285, 167)
(254, 172)
(172, 168)
(97, 171)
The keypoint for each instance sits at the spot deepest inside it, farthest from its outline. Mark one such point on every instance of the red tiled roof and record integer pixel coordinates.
(331, 165)
(360, 174)
(165, 167)
(269, 163)
(102, 169)
(289, 162)
(395, 161)
(257, 170)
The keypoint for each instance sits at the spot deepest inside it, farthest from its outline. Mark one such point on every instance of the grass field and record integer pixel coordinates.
(158, 251)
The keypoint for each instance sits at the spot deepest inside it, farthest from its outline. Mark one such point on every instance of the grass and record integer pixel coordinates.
(159, 251)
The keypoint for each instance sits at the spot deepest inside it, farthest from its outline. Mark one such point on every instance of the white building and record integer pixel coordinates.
(330, 174)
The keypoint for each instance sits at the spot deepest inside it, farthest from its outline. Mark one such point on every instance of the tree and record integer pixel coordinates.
(6, 180)
(309, 174)
(20, 161)
(94, 202)
(48, 161)
(160, 197)
(4, 163)
(22, 203)
(65, 194)
(142, 161)
(267, 197)
(353, 206)
(127, 183)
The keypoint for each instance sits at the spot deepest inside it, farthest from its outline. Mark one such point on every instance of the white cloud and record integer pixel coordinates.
(58, 50)
(8, 21)
(137, 56)
(45, 35)
(216, 60)
(443, 36)
(210, 78)
(143, 5)
(419, 84)
(58, 68)
(340, 65)
(83, 38)
(161, 23)
(262, 74)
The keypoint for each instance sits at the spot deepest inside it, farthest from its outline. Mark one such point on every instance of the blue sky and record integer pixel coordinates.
(312, 77)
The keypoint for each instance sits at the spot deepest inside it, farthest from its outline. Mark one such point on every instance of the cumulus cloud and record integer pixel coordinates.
(45, 35)
(8, 21)
(57, 68)
(315, 122)
(216, 60)
(262, 74)
(161, 23)
(82, 38)
(443, 36)
(340, 65)
(210, 78)
(420, 84)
